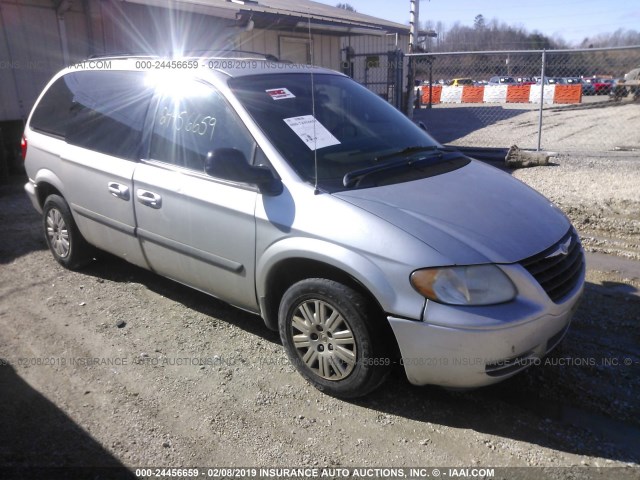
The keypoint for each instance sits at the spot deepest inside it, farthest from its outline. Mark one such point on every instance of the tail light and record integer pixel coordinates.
(23, 147)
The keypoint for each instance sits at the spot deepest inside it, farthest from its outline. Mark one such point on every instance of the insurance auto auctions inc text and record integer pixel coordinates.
(368, 472)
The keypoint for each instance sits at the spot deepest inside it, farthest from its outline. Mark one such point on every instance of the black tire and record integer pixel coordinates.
(339, 345)
(61, 233)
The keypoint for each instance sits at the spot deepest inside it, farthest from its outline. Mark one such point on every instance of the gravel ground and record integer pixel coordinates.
(569, 129)
(590, 127)
(601, 195)
(114, 365)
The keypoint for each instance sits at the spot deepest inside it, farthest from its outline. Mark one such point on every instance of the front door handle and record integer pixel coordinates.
(148, 198)
(118, 190)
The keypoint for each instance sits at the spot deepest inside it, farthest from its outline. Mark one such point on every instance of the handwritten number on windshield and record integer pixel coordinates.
(196, 123)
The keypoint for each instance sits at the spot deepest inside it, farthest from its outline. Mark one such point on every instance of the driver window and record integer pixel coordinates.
(189, 125)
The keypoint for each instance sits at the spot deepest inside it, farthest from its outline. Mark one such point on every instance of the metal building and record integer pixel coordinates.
(39, 37)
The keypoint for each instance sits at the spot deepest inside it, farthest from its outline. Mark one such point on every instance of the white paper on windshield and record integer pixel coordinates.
(311, 132)
(280, 93)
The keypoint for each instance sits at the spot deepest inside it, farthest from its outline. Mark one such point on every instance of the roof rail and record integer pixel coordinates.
(121, 55)
(193, 53)
(233, 54)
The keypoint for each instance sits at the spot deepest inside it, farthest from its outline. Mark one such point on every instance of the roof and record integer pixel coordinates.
(232, 63)
(276, 14)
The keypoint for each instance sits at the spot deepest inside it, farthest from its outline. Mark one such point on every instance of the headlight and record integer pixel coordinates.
(473, 285)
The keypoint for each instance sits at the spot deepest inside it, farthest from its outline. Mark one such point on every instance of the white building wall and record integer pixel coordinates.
(32, 49)
(30, 52)
(325, 48)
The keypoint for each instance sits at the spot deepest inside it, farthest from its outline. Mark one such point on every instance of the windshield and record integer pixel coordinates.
(349, 127)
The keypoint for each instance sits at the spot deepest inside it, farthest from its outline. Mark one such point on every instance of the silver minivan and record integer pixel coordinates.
(295, 193)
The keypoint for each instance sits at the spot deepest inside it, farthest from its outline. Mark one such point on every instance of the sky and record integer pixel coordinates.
(572, 20)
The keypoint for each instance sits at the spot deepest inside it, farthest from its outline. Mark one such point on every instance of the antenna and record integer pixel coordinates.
(313, 114)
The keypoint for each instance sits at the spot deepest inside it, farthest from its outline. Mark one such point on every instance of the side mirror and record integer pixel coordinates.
(231, 164)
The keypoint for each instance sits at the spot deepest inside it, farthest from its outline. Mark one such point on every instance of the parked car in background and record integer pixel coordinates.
(602, 86)
(459, 82)
(599, 85)
(525, 80)
(572, 80)
(551, 81)
(502, 81)
(587, 86)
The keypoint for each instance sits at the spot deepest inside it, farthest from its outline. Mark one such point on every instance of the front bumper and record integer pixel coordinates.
(463, 347)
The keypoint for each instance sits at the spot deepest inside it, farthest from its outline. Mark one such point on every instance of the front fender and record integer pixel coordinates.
(386, 280)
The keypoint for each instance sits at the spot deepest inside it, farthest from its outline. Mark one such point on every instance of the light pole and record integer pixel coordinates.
(429, 34)
(414, 19)
(414, 39)
(414, 24)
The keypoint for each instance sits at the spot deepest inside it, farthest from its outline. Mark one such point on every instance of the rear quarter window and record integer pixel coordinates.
(103, 111)
(51, 115)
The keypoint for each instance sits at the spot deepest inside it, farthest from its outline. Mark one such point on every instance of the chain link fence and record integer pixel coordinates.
(381, 72)
(561, 100)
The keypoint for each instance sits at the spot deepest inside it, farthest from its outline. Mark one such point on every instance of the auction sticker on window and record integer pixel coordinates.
(280, 93)
(311, 132)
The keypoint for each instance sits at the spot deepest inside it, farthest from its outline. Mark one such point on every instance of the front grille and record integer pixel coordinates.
(559, 268)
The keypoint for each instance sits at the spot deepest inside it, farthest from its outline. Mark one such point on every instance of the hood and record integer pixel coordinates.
(475, 214)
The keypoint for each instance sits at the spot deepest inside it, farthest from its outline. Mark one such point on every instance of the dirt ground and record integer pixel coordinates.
(115, 366)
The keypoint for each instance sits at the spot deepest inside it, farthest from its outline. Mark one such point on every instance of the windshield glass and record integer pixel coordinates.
(349, 127)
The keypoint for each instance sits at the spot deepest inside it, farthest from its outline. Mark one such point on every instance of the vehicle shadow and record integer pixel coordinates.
(111, 268)
(41, 441)
(23, 226)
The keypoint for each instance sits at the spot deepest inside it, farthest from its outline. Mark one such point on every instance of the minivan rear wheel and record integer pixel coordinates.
(332, 336)
(65, 241)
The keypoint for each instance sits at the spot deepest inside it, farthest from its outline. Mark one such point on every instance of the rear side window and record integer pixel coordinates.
(52, 113)
(101, 111)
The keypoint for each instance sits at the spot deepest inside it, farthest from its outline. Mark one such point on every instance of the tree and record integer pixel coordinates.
(496, 35)
(346, 6)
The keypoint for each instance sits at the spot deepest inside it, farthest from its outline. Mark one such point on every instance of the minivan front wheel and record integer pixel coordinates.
(332, 337)
(65, 241)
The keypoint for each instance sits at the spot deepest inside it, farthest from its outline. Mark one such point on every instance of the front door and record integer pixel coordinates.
(193, 228)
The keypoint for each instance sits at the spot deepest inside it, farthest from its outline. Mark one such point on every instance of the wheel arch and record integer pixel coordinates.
(47, 183)
(289, 271)
(292, 260)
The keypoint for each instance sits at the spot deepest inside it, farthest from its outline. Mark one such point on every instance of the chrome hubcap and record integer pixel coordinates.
(323, 339)
(57, 233)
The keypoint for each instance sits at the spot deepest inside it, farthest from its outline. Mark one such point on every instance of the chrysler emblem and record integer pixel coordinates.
(563, 249)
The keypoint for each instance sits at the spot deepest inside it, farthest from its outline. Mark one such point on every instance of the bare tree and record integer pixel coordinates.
(495, 35)
(346, 6)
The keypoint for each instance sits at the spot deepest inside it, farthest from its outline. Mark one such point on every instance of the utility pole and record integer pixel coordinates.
(414, 24)
(414, 27)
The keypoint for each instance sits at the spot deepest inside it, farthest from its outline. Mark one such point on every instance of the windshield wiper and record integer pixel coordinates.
(407, 151)
(354, 177)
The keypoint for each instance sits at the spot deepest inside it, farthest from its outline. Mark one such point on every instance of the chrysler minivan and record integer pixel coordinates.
(295, 193)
